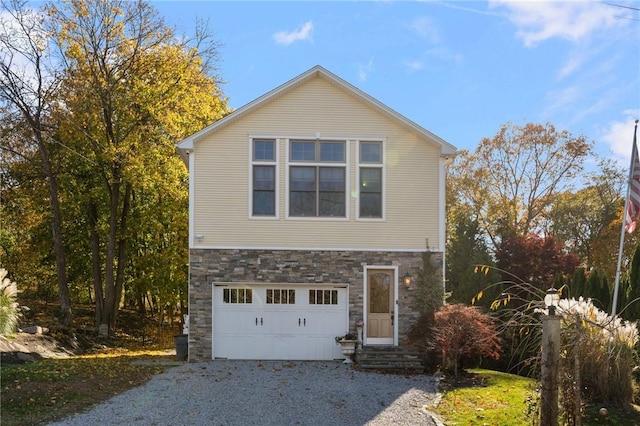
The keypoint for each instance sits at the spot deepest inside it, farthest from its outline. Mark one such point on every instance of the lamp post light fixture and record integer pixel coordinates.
(406, 280)
(551, 300)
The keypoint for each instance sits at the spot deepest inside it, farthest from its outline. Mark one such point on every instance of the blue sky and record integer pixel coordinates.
(458, 69)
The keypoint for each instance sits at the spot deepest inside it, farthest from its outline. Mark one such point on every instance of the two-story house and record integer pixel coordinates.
(308, 208)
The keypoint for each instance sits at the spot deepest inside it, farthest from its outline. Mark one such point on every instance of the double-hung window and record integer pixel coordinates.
(263, 176)
(317, 178)
(370, 180)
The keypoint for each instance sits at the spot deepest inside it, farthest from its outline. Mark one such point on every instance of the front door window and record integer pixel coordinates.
(380, 304)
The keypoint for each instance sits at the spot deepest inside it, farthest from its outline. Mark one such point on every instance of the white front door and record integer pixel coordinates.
(381, 315)
(271, 321)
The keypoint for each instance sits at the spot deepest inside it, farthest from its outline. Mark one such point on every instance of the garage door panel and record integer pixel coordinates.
(284, 323)
(235, 346)
(243, 320)
(320, 321)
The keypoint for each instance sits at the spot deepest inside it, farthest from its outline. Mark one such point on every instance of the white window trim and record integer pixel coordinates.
(347, 184)
(381, 165)
(275, 163)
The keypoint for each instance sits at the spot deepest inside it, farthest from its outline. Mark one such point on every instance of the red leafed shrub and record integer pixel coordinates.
(535, 259)
(461, 331)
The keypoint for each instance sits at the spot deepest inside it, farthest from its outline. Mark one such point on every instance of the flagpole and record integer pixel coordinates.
(622, 228)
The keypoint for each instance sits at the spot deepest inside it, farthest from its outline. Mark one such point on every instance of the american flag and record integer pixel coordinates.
(632, 214)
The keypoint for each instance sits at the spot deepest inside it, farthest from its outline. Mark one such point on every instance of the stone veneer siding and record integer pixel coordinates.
(287, 266)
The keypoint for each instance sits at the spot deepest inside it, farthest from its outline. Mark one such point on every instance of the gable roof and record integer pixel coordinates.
(187, 144)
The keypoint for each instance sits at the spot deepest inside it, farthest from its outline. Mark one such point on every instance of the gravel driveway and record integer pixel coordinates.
(224, 392)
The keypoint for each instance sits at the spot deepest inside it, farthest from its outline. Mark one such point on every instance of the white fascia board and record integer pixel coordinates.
(192, 186)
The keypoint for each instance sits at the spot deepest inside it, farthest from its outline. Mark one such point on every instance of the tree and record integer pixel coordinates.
(159, 258)
(93, 133)
(597, 289)
(465, 249)
(508, 184)
(578, 284)
(629, 304)
(131, 88)
(588, 221)
(28, 89)
(463, 331)
(535, 260)
(430, 294)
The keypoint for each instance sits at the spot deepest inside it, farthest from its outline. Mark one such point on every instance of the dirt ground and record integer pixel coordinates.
(25, 347)
(56, 341)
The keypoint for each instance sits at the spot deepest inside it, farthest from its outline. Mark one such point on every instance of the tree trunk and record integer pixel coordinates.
(56, 230)
(95, 263)
(115, 261)
(109, 275)
(122, 252)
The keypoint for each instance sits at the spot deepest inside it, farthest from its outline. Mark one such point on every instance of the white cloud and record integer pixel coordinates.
(445, 55)
(619, 136)
(425, 28)
(303, 33)
(365, 70)
(561, 99)
(571, 20)
(574, 63)
(414, 65)
(592, 87)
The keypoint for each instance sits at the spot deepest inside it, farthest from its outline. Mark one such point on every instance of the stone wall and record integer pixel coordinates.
(284, 266)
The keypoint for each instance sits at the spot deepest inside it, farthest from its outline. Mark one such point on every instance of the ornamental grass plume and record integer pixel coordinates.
(8, 304)
(604, 349)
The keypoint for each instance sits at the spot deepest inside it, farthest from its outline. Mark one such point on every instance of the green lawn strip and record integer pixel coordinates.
(505, 399)
(52, 389)
(502, 401)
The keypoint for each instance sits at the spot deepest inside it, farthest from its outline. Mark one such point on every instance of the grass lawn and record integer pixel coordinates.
(485, 397)
(51, 389)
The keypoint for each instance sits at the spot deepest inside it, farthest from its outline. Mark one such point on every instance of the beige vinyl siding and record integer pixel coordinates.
(221, 173)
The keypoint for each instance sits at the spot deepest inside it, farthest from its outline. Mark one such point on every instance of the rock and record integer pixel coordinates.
(35, 329)
(25, 357)
(103, 330)
(36, 346)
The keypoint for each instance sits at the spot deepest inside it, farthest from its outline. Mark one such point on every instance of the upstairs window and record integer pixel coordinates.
(317, 178)
(371, 152)
(370, 180)
(263, 177)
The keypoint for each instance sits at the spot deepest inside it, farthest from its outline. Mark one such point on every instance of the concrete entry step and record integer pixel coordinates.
(388, 358)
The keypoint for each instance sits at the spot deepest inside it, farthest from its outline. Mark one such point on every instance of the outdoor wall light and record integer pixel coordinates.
(551, 300)
(407, 280)
(199, 237)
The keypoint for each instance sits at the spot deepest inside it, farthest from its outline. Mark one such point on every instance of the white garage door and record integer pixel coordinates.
(273, 321)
